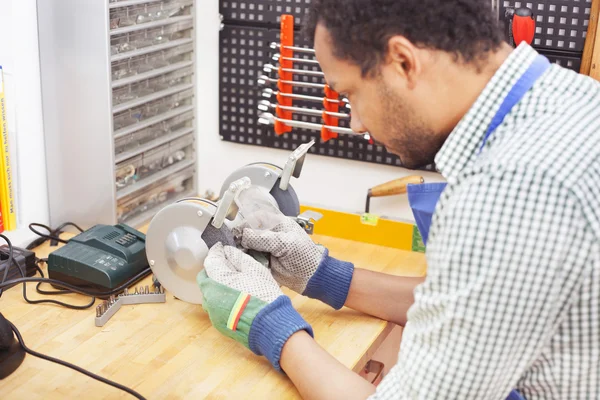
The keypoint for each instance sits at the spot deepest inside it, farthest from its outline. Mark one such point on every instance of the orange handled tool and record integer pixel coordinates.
(397, 186)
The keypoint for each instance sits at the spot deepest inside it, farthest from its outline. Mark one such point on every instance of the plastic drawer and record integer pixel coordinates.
(140, 14)
(149, 110)
(143, 204)
(147, 87)
(147, 135)
(129, 42)
(154, 161)
(144, 63)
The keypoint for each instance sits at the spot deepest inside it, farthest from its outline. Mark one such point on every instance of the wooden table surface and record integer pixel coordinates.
(171, 351)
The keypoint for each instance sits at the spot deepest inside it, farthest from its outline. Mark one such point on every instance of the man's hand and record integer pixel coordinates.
(295, 257)
(245, 303)
(301, 265)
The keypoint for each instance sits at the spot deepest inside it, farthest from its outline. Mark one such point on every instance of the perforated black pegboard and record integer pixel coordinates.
(263, 11)
(297, 8)
(250, 11)
(242, 54)
(560, 24)
(570, 61)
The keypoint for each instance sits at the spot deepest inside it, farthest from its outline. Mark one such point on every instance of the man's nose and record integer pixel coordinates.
(355, 123)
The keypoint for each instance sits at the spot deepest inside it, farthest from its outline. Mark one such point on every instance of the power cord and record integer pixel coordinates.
(71, 290)
(72, 366)
(10, 262)
(53, 234)
(60, 303)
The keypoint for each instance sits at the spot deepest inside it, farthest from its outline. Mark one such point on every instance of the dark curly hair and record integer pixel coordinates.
(360, 29)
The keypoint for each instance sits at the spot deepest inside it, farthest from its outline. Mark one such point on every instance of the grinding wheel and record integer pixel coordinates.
(267, 176)
(287, 200)
(177, 242)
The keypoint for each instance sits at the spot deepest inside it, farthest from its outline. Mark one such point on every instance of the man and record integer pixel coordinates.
(511, 301)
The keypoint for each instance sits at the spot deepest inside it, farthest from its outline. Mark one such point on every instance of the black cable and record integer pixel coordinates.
(60, 303)
(76, 289)
(72, 366)
(10, 261)
(53, 234)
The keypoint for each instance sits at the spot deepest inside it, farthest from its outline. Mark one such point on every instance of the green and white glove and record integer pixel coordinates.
(300, 264)
(245, 303)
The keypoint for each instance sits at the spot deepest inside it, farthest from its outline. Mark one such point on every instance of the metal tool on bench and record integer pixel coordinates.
(181, 234)
(392, 188)
(142, 295)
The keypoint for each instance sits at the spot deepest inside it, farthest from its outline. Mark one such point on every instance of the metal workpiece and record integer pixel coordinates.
(305, 220)
(108, 308)
(268, 68)
(277, 57)
(294, 164)
(270, 119)
(228, 200)
(275, 46)
(264, 80)
(269, 93)
(265, 105)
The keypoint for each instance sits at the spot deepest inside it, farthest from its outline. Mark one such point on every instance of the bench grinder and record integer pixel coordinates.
(180, 235)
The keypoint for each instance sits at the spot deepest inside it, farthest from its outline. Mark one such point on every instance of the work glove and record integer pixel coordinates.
(298, 263)
(246, 304)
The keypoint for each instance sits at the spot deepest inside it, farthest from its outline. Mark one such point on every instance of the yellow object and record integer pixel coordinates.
(366, 228)
(369, 219)
(7, 196)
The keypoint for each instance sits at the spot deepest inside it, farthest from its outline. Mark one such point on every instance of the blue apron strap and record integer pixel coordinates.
(423, 199)
(514, 395)
(516, 93)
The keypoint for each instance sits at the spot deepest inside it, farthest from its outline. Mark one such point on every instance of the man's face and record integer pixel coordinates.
(384, 103)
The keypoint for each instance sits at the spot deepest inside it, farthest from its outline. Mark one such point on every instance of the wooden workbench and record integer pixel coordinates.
(171, 351)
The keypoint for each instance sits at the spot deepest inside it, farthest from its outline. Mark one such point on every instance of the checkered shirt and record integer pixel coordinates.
(512, 295)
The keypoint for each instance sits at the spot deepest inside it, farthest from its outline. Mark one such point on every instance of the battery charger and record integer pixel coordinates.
(24, 259)
(101, 258)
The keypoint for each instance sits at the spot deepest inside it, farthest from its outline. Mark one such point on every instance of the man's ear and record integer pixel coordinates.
(402, 56)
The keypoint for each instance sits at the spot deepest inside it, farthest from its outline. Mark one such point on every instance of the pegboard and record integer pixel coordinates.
(297, 8)
(570, 61)
(243, 53)
(250, 11)
(266, 12)
(560, 24)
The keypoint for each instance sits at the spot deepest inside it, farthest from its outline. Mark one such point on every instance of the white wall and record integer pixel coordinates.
(19, 58)
(321, 180)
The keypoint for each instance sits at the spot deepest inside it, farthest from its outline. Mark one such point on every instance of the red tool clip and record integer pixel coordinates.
(287, 41)
(330, 106)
